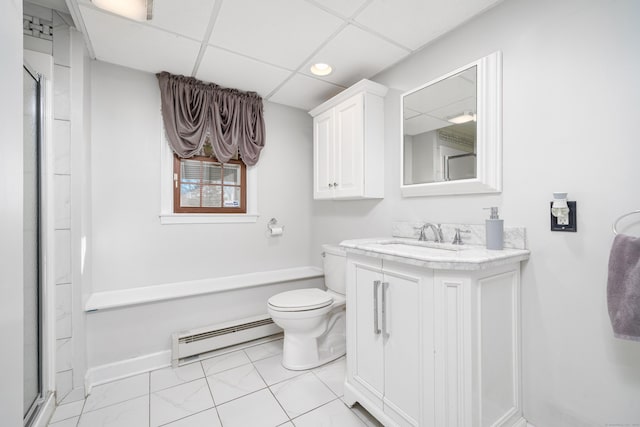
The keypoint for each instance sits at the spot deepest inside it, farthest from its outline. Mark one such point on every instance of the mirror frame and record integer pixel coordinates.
(488, 135)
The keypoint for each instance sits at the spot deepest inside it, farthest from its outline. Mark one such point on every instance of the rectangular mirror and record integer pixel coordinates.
(452, 132)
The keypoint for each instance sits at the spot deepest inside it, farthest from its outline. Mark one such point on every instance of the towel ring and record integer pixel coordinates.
(615, 224)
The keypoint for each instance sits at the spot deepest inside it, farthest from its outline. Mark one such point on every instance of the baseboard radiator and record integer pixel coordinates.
(193, 342)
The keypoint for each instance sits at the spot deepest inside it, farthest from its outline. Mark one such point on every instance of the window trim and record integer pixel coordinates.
(167, 217)
(177, 209)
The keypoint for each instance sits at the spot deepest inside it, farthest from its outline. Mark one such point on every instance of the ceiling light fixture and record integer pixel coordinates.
(139, 10)
(321, 69)
(465, 117)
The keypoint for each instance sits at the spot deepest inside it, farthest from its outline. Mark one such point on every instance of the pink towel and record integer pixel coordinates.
(623, 287)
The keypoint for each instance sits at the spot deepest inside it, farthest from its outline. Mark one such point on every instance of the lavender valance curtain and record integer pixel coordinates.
(192, 109)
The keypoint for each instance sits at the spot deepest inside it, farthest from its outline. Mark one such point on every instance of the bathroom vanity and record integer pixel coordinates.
(433, 333)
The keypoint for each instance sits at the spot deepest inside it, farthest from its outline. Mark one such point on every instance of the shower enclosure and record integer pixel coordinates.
(33, 348)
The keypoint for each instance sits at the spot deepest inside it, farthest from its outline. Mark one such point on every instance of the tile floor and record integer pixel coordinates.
(244, 388)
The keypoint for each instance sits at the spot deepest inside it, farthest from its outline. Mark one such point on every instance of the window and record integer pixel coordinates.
(204, 185)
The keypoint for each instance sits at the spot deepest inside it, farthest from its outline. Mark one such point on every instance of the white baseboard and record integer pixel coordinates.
(126, 368)
(150, 362)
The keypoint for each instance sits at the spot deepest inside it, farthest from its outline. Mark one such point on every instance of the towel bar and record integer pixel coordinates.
(615, 231)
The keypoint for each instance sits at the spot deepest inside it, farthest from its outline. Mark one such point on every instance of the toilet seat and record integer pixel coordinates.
(300, 300)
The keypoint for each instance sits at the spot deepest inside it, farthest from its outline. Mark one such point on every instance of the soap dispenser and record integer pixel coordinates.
(494, 228)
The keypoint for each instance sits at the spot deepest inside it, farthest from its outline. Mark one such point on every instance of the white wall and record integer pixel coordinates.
(131, 248)
(571, 102)
(11, 316)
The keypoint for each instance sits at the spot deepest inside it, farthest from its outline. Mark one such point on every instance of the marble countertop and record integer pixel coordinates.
(441, 256)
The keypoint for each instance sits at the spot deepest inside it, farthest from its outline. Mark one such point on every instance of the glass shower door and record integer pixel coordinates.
(31, 246)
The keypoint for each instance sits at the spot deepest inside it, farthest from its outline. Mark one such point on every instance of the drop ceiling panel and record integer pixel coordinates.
(305, 92)
(423, 123)
(344, 8)
(235, 71)
(187, 17)
(455, 109)
(124, 42)
(281, 32)
(373, 55)
(440, 94)
(414, 23)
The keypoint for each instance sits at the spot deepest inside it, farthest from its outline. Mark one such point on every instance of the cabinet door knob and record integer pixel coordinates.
(330, 185)
(335, 184)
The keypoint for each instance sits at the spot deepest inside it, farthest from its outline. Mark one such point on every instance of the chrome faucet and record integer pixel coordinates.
(437, 232)
(457, 240)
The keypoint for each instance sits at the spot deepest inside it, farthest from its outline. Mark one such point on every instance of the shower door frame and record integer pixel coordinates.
(41, 66)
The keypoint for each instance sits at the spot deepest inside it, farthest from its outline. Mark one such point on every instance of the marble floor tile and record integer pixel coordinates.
(262, 351)
(272, 371)
(302, 394)
(169, 377)
(117, 391)
(234, 383)
(333, 375)
(223, 362)
(73, 396)
(259, 409)
(180, 401)
(66, 411)
(208, 418)
(333, 414)
(132, 413)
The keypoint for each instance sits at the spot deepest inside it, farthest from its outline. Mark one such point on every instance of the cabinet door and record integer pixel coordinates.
(405, 331)
(365, 308)
(349, 146)
(323, 155)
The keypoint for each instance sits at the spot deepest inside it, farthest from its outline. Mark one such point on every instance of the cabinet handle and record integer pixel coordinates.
(330, 185)
(335, 184)
(385, 286)
(376, 326)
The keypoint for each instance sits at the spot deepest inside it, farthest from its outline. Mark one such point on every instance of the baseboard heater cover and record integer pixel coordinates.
(202, 340)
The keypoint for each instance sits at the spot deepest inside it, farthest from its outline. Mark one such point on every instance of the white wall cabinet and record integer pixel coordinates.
(348, 144)
(433, 348)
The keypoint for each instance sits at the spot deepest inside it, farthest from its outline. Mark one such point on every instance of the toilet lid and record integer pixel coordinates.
(300, 299)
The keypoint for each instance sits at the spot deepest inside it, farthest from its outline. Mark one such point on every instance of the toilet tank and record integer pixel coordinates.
(334, 261)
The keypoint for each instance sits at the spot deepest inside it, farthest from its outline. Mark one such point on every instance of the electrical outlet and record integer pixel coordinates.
(571, 226)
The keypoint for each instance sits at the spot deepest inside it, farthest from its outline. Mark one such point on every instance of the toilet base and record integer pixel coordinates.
(301, 352)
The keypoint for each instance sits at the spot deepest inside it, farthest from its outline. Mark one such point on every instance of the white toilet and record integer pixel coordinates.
(313, 320)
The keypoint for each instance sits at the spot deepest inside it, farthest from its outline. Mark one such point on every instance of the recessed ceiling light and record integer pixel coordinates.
(321, 69)
(139, 10)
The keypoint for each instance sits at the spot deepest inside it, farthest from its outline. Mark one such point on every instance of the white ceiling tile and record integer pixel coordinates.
(280, 32)
(187, 17)
(235, 71)
(373, 55)
(135, 45)
(413, 23)
(343, 7)
(305, 92)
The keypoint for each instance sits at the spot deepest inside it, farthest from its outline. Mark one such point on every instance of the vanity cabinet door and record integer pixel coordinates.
(390, 341)
(402, 348)
(366, 348)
